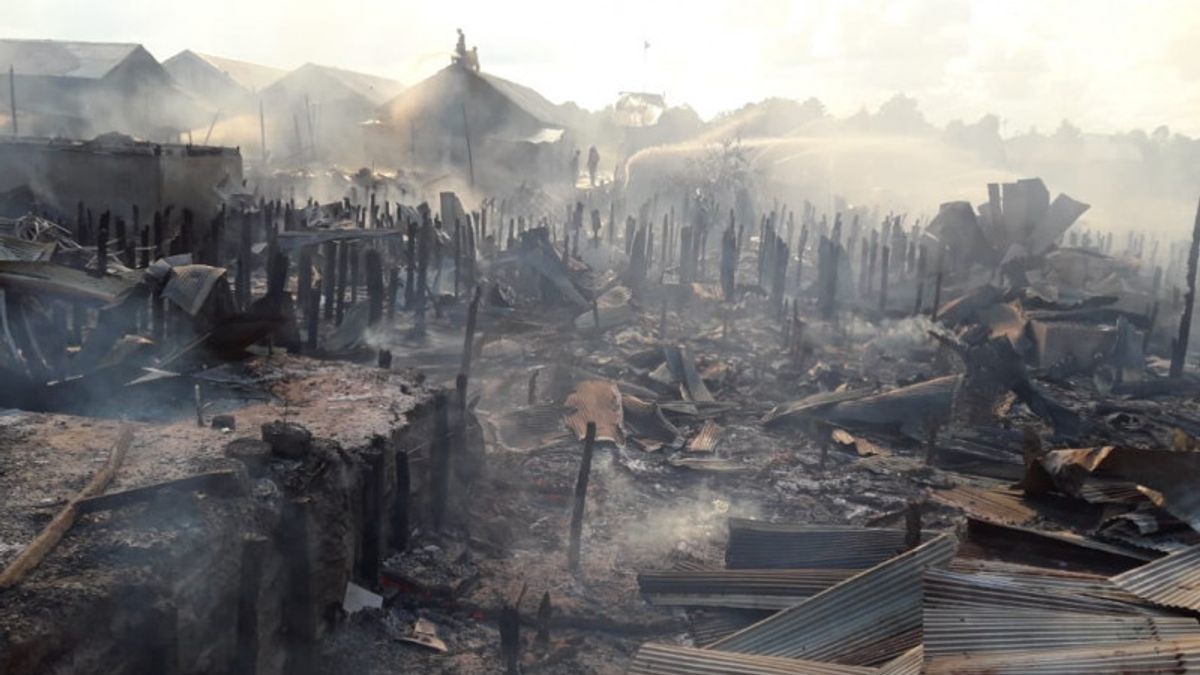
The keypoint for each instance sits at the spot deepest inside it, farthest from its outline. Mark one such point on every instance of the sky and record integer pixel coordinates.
(1106, 65)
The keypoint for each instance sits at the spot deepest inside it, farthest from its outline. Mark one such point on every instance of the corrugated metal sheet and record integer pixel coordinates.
(1121, 658)
(706, 439)
(869, 618)
(657, 659)
(1000, 505)
(707, 626)
(950, 632)
(756, 544)
(749, 589)
(1173, 581)
(908, 663)
(1044, 578)
(946, 589)
(596, 401)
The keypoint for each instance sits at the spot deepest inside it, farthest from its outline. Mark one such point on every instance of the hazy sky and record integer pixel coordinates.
(1104, 64)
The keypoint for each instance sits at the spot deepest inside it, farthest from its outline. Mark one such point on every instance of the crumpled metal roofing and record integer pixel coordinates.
(748, 589)
(869, 618)
(757, 544)
(1172, 581)
(998, 505)
(1117, 658)
(596, 401)
(658, 659)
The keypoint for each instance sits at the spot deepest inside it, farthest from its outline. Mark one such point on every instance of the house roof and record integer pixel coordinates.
(55, 58)
(328, 83)
(248, 76)
(455, 80)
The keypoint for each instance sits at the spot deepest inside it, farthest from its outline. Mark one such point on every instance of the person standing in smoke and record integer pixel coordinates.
(460, 49)
(574, 167)
(593, 164)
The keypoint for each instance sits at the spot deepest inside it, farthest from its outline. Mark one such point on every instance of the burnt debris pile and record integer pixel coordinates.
(533, 433)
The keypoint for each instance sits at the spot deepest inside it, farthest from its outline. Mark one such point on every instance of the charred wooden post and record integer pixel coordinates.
(510, 638)
(440, 480)
(393, 291)
(912, 525)
(662, 319)
(374, 491)
(469, 338)
(883, 279)
(245, 262)
(144, 246)
(545, 610)
(304, 280)
(800, 246)
(353, 255)
(374, 270)
(198, 399)
(102, 246)
(459, 237)
(729, 261)
(400, 507)
(531, 397)
(313, 317)
(329, 277)
(1179, 353)
(122, 243)
(343, 265)
(871, 263)
(920, 282)
(829, 291)
(254, 549)
(937, 286)
(411, 270)
(581, 485)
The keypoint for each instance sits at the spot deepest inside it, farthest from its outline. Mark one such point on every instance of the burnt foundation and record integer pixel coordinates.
(241, 571)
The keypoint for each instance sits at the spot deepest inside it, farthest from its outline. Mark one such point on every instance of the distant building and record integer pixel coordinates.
(114, 172)
(81, 89)
(511, 128)
(639, 109)
(227, 85)
(317, 111)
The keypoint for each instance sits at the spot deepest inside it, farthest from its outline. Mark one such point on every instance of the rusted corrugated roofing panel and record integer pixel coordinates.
(1172, 581)
(908, 663)
(946, 589)
(1117, 658)
(706, 439)
(1044, 578)
(657, 659)
(708, 626)
(869, 618)
(596, 401)
(749, 589)
(956, 631)
(999, 505)
(757, 544)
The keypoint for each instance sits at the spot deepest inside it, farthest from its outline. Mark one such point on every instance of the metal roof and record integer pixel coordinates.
(1119, 658)
(946, 589)
(757, 544)
(869, 618)
(658, 659)
(56, 58)
(749, 589)
(1172, 581)
(957, 631)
